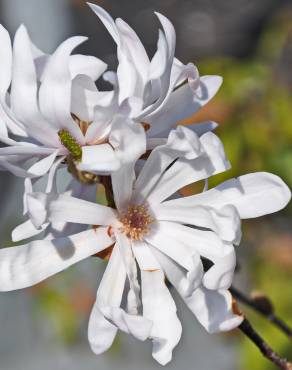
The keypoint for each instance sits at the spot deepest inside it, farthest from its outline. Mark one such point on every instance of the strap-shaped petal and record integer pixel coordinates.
(184, 171)
(181, 143)
(213, 309)
(107, 316)
(29, 264)
(202, 243)
(24, 91)
(253, 195)
(159, 307)
(55, 90)
(63, 208)
(225, 222)
(129, 142)
(182, 103)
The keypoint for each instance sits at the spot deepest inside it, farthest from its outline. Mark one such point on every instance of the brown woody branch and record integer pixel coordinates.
(265, 349)
(263, 306)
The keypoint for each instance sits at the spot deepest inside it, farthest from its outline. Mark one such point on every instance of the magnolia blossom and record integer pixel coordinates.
(52, 105)
(165, 235)
(51, 109)
(152, 91)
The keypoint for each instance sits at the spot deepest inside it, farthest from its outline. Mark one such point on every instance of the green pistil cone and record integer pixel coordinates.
(71, 144)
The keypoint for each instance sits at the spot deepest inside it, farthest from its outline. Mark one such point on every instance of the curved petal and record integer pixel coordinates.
(184, 172)
(199, 128)
(24, 91)
(253, 195)
(27, 265)
(101, 332)
(63, 208)
(202, 243)
(36, 170)
(55, 90)
(162, 238)
(225, 221)
(129, 142)
(107, 314)
(181, 143)
(99, 159)
(127, 256)
(182, 103)
(213, 309)
(159, 307)
(6, 61)
(107, 20)
(86, 65)
(186, 283)
(135, 49)
(26, 230)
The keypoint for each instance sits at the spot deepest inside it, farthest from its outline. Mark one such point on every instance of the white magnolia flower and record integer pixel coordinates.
(48, 103)
(163, 236)
(152, 91)
(55, 109)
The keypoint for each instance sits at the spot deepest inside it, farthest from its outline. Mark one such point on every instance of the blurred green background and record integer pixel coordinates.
(249, 43)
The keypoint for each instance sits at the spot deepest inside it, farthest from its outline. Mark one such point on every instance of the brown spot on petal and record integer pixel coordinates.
(152, 270)
(146, 126)
(105, 254)
(235, 308)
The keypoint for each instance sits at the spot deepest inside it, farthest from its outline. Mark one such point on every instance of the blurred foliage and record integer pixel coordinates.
(276, 283)
(254, 105)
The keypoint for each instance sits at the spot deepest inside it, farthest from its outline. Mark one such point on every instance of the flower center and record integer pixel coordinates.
(71, 144)
(136, 222)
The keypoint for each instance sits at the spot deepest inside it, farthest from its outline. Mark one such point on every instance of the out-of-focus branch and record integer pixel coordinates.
(263, 306)
(265, 349)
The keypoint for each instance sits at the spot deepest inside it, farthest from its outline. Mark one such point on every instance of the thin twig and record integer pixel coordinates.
(265, 310)
(265, 349)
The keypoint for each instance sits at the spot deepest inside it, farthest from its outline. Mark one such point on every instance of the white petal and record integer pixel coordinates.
(24, 90)
(86, 65)
(107, 21)
(182, 103)
(202, 243)
(6, 61)
(212, 308)
(27, 265)
(135, 49)
(55, 90)
(162, 238)
(129, 142)
(32, 150)
(63, 208)
(220, 275)
(186, 283)
(99, 159)
(36, 170)
(101, 332)
(26, 230)
(144, 256)
(181, 143)
(199, 128)
(184, 172)
(159, 307)
(126, 253)
(225, 222)
(253, 195)
(84, 98)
